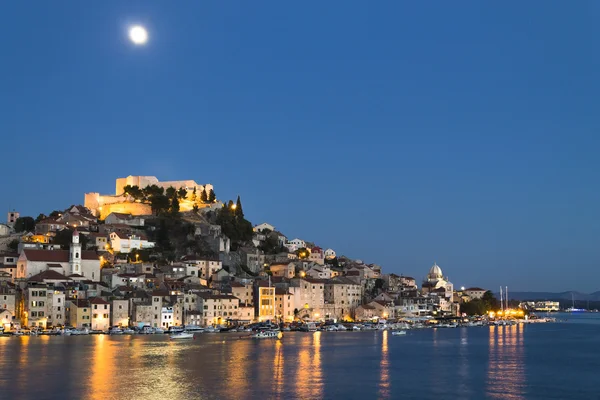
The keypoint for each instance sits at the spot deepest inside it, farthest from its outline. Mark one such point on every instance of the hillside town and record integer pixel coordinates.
(167, 254)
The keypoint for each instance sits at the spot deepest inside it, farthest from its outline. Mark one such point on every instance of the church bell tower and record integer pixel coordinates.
(75, 254)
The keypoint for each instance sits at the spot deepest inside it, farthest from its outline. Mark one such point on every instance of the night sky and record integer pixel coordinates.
(399, 133)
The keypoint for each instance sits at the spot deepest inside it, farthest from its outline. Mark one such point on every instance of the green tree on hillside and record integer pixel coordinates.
(194, 195)
(211, 196)
(159, 204)
(40, 218)
(136, 193)
(55, 214)
(239, 212)
(203, 197)
(170, 192)
(182, 193)
(175, 205)
(24, 224)
(64, 238)
(481, 306)
(239, 230)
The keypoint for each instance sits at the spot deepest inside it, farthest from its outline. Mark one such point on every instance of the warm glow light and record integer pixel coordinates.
(138, 35)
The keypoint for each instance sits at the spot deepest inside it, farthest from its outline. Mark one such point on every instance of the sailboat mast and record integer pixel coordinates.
(501, 300)
(506, 296)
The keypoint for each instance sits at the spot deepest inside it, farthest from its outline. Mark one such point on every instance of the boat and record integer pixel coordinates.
(572, 309)
(182, 335)
(159, 330)
(175, 329)
(356, 327)
(193, 328)
(311, 326)
(398, 333)
(341, 327)
(147, 330)
(115, 330)
(128, 331)
(211, 329)
(268, 335)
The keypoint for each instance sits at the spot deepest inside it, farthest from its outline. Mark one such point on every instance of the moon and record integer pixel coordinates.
(138, 35)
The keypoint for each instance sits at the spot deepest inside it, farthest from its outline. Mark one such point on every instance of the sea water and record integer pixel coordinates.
(539, 361)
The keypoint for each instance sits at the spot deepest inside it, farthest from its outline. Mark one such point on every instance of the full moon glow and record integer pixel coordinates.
(138, 35)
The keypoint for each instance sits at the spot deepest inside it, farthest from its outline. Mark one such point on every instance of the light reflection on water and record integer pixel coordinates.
(309, 379)
(425, 364)
(384, 367)
(506, 372)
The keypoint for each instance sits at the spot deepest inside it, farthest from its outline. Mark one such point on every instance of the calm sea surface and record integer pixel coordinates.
(545, 361)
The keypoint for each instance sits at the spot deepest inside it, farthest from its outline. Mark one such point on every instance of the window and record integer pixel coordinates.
(57, 308)
(106, 306)
(34, 313)
(58, 300)
(155, 316)
(95, 315)
(34, 293)
(95, 306)
(105, 315)
(120, 307)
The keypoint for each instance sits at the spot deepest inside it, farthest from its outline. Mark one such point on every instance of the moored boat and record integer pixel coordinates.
(268, 335)
(182, 335)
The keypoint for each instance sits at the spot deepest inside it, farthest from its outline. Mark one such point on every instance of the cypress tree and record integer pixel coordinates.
(211, 196)
(238, 208)
(203, 196)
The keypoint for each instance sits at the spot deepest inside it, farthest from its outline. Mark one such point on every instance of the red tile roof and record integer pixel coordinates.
(98, 300)
(49, 275)
(81, 303)
(57, 256)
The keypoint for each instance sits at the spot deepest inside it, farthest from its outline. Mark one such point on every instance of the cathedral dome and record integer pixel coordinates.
(435, 272)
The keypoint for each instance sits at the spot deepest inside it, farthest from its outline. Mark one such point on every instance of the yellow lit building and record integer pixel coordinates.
(79, 313)
(266, 302)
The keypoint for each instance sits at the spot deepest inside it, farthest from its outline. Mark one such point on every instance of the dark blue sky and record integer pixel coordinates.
(396, 133)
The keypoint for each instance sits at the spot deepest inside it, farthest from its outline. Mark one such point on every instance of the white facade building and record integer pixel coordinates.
(67, 262)
(124, 243)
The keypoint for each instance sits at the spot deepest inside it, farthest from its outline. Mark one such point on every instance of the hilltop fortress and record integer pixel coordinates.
(102, 205)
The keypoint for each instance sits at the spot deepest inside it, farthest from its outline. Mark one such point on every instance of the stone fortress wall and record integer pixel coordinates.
(125, 208)
(103, 205)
